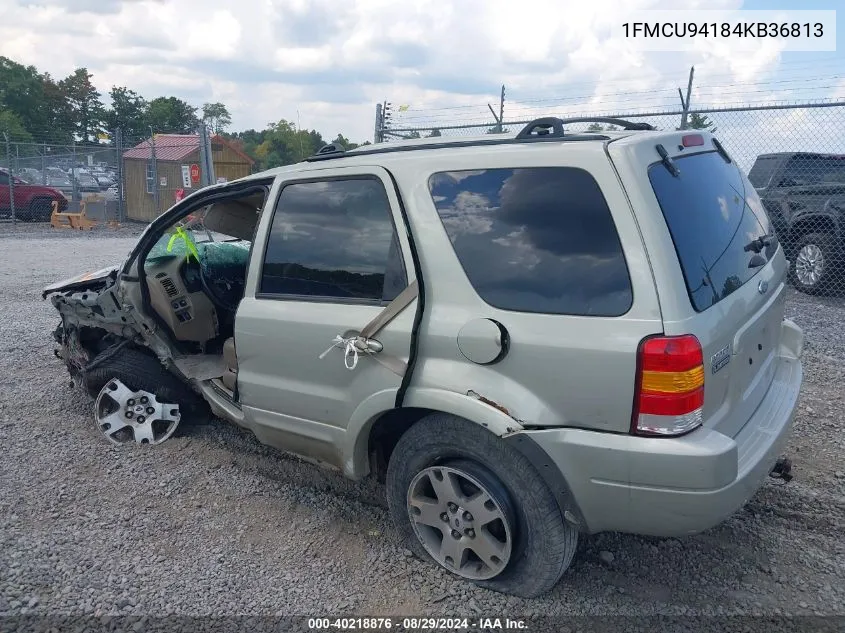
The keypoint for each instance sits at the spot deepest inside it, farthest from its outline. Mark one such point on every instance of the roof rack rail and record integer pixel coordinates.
(537, 131)
(611, 120)
(553, 126)
(331, 148)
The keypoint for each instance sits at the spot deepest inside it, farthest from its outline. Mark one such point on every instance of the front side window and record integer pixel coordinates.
(539, 239)
(334, 239)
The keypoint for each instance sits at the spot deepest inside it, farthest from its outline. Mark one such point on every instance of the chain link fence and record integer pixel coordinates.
(34, 175)
(120, 179)
(794, 155)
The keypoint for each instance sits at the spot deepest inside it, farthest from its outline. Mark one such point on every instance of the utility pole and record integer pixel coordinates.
(685, 102)
(499, 117)
(155, 170)
(299, 134)
(118, 141)
(209, 156)
(386, 117)
(44, 164)
(11, 179)
(73, 172)
(206, 158)
(502, 109)
(203, 158)
(377, 135)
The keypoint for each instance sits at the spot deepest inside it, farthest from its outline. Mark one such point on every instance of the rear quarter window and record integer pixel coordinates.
(539, 239)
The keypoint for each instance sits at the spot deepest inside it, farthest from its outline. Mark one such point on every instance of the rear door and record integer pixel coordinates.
(706, 229)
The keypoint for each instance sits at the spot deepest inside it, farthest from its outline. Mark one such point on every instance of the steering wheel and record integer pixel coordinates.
(221, 291)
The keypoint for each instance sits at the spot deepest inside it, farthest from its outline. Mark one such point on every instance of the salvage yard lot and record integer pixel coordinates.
(211, 522)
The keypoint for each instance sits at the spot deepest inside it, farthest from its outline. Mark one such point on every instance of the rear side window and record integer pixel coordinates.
(712, 215)
(539, 239)
(334, 240)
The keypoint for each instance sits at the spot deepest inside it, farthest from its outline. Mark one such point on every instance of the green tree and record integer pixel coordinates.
(169, 115)
(595, 127)
(83, 100)
(216, 116)
(283, 144)
(698, 121)
(435, 132)
(35, 99)
(128, 112)
(11, 124)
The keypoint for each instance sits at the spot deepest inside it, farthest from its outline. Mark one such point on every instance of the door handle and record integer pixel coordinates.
(368, 345)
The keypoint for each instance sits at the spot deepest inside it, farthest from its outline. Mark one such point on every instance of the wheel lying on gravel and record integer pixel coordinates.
(132, 375)
(124, 416)
(475, 505)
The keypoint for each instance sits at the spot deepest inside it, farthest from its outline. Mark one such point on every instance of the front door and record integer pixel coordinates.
(327, 260)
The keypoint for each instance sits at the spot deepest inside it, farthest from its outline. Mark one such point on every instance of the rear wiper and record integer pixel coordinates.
(667, 162)
(760, 243)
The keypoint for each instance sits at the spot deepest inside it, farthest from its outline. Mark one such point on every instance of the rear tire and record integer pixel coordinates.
(140, 371)
(814, 264)
(542, 543)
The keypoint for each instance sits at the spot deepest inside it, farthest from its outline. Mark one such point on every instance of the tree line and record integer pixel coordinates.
(35, 106)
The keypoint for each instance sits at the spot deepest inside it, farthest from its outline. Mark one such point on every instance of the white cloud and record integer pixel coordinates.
(332, 61)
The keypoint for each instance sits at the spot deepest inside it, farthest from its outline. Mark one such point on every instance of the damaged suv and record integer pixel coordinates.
(526, 336)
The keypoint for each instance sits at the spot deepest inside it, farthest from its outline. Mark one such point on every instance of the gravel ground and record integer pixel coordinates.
(213, 523)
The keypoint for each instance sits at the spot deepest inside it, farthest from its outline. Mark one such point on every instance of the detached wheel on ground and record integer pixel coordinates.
(814, 262)
(462, 497)
(125, 416)
(138, 400)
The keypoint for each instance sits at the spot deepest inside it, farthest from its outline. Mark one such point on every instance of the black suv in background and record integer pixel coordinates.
(804, 194)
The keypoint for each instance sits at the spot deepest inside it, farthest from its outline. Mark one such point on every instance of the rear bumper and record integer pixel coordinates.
(672, 487)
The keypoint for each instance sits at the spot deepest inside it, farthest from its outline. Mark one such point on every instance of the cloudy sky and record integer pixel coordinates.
(332, 60)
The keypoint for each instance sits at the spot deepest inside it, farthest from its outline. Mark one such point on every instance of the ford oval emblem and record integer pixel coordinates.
(762, 287)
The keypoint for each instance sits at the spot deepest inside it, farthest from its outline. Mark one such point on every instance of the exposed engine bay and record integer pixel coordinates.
(176, 303)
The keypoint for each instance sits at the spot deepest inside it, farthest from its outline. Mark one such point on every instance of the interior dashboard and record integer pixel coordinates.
(177, 296)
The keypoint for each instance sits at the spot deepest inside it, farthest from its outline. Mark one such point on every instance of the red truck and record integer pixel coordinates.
(33, 203)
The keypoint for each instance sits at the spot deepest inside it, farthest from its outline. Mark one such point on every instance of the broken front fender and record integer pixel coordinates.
(83, 281)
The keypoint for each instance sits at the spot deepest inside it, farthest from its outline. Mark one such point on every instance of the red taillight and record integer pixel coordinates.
(692, 140)
(669, 386)
(671, 353)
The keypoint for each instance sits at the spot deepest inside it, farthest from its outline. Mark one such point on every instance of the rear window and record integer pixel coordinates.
(539, 239)
(712, 214)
